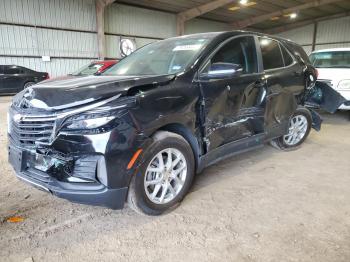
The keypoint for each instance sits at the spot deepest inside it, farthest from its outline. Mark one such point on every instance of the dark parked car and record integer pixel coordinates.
(14, 79)
(143, 129)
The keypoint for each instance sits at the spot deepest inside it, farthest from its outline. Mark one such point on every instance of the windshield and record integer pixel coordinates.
(335, 59)
(87, 70)
(163, 57)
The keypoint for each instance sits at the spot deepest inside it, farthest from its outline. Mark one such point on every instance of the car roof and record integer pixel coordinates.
(332, 50)
(234, 33)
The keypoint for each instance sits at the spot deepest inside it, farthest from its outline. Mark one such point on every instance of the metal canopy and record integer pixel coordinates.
(265, 15)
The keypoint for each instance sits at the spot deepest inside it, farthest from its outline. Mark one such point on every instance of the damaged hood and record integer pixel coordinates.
(59, 94)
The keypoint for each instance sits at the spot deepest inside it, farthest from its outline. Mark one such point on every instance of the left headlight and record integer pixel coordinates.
(99, 119)
(86, 122)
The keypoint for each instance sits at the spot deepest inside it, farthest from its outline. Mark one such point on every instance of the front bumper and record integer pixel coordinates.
(96, 194)
(92, 193)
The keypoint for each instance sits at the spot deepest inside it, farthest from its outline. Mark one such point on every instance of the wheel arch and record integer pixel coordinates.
(187, 134)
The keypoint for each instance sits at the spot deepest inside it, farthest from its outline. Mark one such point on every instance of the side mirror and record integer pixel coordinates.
(222, 71)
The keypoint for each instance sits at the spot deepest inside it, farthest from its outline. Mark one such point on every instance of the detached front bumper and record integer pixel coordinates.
(346, 95)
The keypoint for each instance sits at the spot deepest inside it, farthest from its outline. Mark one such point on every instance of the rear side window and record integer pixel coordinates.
(240, 51)
(288, 60)
(12, 70)
(271, 54)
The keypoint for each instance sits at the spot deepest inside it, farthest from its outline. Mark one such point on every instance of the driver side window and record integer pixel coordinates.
(240, 51)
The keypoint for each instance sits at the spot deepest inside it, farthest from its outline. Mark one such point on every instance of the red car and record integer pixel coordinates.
(95, 68)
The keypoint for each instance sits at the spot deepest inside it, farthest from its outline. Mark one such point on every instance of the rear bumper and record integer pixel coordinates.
(83, 193)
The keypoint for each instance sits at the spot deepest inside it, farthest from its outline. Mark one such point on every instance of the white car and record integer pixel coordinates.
(333, 66)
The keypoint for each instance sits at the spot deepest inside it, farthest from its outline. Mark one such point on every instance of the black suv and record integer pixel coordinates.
(14, 79)
(142, 130)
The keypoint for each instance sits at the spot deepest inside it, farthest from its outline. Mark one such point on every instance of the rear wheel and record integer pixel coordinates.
(299, 129)
(164, 176)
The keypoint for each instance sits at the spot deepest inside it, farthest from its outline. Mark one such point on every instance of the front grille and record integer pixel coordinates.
(28, 130)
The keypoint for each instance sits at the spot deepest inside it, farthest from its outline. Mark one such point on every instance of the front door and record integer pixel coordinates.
(234, 106)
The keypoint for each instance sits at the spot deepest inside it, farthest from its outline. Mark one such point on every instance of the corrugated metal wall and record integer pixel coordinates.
(202, 26)
(145, 26)
(65, 30)
(60, 29)
(330, 34)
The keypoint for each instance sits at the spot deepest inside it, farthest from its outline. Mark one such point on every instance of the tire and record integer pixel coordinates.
(28, 84)
(140, 196)
(303, 121)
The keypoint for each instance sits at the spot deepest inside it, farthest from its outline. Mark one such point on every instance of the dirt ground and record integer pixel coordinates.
(264, 205)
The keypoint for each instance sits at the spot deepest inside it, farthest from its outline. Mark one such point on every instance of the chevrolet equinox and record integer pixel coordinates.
(139, 132)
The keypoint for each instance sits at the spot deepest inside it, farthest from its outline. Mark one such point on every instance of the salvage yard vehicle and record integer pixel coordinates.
(142, 130)
(14, 79)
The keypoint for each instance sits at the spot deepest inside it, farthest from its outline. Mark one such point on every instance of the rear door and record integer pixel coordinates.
(234, 107)
(284, 80)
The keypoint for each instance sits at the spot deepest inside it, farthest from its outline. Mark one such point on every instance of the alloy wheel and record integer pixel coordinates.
(297, 129)
(165, 176)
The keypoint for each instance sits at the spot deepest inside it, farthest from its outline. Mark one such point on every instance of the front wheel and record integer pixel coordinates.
(299, 129)
(165, 175)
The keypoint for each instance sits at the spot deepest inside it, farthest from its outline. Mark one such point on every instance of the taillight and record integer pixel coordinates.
(316, 72)
(47, 76)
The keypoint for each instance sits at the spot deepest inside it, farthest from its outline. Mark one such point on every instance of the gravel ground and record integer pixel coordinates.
(264, 205)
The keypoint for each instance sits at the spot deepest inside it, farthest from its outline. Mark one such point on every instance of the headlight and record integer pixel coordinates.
(344, 84)
(99, 119)
(84, 122)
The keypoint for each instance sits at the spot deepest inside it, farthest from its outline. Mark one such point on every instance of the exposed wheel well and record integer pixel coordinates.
(188, 135)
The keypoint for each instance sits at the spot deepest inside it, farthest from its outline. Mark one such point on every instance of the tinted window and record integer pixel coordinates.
(12, 70)
(288, 60)
(271, 54)
(239, 51)
(335, 59)
(299, 51)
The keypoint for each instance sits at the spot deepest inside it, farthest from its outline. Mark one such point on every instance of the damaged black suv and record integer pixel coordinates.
(142, 130)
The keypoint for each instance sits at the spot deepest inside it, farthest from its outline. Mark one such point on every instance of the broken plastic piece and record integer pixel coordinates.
(15, 219)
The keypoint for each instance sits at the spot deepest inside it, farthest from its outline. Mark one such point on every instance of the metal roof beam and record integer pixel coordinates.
(284, 28)
(202, 9)
(184, 16)
(258, 19)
